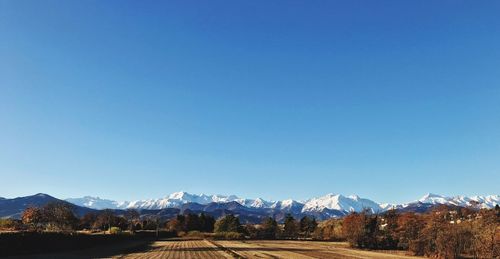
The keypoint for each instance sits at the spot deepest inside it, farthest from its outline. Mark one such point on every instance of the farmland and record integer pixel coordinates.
(253, 249)
(175, 248)
(189, 249)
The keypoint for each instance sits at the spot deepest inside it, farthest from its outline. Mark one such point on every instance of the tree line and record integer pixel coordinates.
(60, 217)
(229, 227)
(445, 232)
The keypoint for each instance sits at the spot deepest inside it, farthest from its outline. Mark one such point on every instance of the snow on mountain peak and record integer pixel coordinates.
(260, 203)
(341, 203)
(96, 203)
(431, 196)
(329, 201)
(489, 201)
(177, 195)
(287, 203)
(354, 197)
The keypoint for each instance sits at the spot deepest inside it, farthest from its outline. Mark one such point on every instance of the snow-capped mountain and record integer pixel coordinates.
(486, 202)
(173, 200)
(489, 201)
(96, 203)
(330, 205)
(249, 210)
(255, 203)
(287, 205)
(177, 199)
(341, 203)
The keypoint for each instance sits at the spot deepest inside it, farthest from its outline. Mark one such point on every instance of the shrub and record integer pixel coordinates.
(228, 235)
(8, 224)
(115, 230)
(194, 234)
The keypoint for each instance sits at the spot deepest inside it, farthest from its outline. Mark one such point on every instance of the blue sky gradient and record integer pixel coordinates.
(274, 99)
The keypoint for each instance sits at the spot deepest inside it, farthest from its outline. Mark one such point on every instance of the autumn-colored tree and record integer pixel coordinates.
(452, 240)
(388, 230)
(445, 232)
(176, 224)
(10, 224)
(442, 237)
(425, 244)
(487, 233)
(361, 230)
(410, 226)
(329, 230)
(59, 216)
(32, 217)
(353, 228)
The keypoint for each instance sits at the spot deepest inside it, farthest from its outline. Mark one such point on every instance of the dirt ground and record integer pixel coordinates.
(303, 249)
(257, 249)
(191, 249)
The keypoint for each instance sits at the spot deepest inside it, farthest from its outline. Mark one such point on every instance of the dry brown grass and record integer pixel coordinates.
(189, 249)
(257, 249)
(200, 249)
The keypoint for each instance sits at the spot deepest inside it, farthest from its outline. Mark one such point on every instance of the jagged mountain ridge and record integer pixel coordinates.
(333, 202)
(95, 203)
(249, 211)
(175, 200)
(478, 201)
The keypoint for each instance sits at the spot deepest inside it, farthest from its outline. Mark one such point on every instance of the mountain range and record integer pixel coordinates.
(337, 204)
(249, 210)
(329, 201)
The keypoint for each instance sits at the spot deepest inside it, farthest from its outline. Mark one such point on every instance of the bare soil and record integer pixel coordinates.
(258, 249)
(304, 249)
(179, 249)
(191, 249)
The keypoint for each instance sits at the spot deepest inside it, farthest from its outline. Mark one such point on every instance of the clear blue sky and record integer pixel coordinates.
(274, 99)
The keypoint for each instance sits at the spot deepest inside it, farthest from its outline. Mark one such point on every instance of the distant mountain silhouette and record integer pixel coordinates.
(13, 208)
